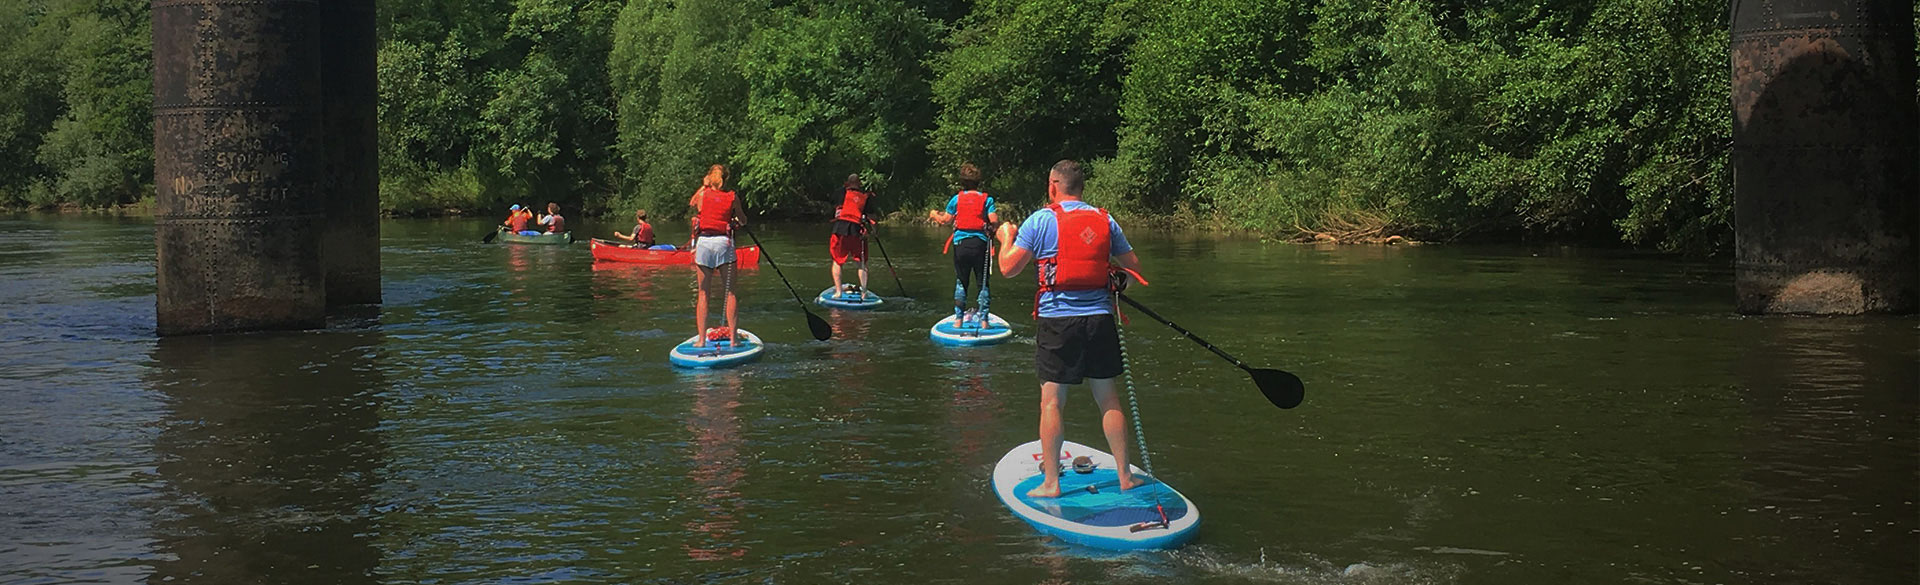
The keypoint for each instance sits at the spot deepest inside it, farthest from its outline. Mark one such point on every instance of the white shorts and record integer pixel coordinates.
(713, 251)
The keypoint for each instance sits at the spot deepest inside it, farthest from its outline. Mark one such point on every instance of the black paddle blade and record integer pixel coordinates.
(488, 239)
(1282, 389)
(821, 330)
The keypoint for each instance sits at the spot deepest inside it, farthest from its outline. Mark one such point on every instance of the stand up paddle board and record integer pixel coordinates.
(1091, 509)
(718, 353)
(947, 333)
(862, 300)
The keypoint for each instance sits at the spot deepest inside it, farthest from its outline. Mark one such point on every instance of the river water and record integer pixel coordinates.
(1474, 415)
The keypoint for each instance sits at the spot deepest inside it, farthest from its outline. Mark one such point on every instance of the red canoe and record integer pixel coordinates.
(605, 251)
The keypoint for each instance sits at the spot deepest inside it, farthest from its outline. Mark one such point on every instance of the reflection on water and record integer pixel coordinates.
(268, 458)
(1478, 415)
(717, 468)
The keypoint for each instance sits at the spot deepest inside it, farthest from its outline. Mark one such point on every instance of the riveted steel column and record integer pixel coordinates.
(236, 159)
(1826, 158)
(351, 183)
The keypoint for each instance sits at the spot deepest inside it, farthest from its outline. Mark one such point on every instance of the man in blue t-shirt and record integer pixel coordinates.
(1075, 338)
(973, 215)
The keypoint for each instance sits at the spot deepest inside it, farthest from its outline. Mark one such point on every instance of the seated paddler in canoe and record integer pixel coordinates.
(519, 221)
(642, 236)
(555, 224)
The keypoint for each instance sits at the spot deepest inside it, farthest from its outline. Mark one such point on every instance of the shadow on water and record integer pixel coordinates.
(267, 458)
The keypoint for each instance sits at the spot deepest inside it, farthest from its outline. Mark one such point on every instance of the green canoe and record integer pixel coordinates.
(559, 238)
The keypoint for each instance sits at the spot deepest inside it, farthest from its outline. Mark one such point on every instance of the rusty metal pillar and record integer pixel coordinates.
(237, 157)
(351, 183)
(1826, 157)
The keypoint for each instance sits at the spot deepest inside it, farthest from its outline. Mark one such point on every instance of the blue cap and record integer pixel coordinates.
(516, 207)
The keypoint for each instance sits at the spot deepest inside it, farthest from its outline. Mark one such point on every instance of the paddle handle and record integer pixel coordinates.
(1183, 331)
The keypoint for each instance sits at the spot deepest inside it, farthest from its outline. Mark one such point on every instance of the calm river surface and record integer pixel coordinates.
(1473, 415)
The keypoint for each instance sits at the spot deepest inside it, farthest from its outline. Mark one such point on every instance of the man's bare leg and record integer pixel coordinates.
(1052, 394)
(1113, 422)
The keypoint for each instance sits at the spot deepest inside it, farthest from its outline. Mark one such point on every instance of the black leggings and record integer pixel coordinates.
(969, 269)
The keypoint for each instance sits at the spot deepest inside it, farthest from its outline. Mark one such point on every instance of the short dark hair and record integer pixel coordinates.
(969, 177)
(853, 181)
(1073, 179)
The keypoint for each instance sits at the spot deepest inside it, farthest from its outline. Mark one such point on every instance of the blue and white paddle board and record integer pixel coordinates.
(718, 353)
(1101, 516)
(946, 332)
(864, 299)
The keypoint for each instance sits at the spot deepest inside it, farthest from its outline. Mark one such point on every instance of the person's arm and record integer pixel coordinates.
(1013, 258)
(622, 236)
(739, 213)
(993, 213)
(945, 216)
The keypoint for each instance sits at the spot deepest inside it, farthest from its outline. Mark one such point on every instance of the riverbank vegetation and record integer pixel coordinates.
(1591, 120)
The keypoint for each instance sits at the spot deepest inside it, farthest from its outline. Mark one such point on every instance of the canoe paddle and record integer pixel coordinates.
(821, 330)
(488, 239)
(1281, 388)
(883, 255)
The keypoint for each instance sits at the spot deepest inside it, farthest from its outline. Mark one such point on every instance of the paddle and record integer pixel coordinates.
(1282, 389)
(821, 330)
(883, 254)
(488, 239)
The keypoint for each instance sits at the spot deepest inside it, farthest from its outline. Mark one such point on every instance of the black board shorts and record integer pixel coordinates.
(1069, 350)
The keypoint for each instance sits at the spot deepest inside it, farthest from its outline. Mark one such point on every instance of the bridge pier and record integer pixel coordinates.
(351, 183)
(1826, 157)
(247, 169)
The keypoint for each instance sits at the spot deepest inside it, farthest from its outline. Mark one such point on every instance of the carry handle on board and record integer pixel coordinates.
(1283, 389)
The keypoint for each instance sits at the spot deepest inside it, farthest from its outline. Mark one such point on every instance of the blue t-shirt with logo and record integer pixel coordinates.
(1040, 236)
(953, 207)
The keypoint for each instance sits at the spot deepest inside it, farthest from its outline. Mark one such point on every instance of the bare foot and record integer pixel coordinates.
(1130, 482)
(1049, 489)
(735, 340)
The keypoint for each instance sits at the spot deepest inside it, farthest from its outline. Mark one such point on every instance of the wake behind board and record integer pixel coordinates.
(1099, 516)
(857, 301)
(946, 332)
(718, 353)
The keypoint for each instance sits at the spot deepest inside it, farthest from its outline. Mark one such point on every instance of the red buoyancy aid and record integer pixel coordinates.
(970, 212)
(559, 224)
(1083, 251)
(643, 232)
(518, 220)
(716, 212)
(853, 206)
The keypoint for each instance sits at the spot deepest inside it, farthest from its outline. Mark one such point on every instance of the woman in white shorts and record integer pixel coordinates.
(715, 212)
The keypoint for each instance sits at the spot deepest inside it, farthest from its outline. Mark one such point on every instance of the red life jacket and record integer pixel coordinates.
(853, 206)
(517, 221)
(1083, 251)
(559, 224)
(716, 212)
(643, 233)
(970, 213)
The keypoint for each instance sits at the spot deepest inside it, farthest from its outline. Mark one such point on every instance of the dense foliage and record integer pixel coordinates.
(1587, 120)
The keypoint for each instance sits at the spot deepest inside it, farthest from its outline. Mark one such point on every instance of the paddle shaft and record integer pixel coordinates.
(883, 255)
(776, 267)
(1183, 331)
